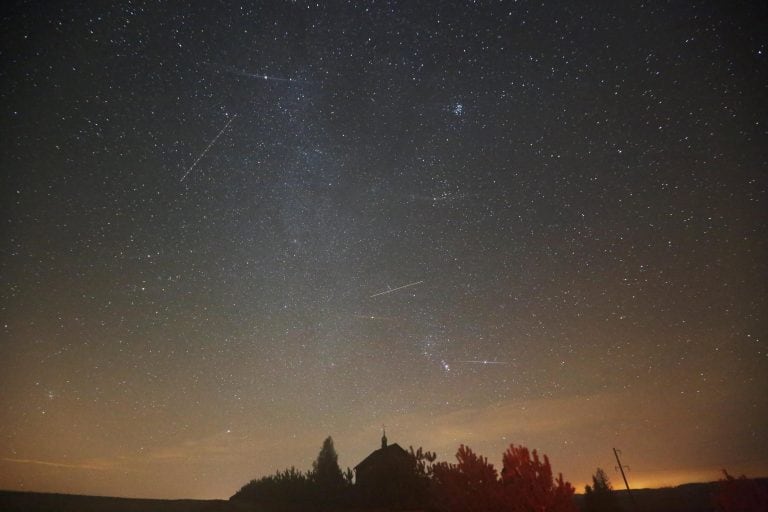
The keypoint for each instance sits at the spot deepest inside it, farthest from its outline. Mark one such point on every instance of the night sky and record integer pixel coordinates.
(231, 231)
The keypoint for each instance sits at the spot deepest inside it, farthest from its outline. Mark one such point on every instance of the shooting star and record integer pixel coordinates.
(265, 77)
(477, 361)
(390, 290)
(210, 144)
(372, 317)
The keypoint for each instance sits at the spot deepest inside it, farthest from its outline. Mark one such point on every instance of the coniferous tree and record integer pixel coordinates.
(326, 470)
(525, 484)
(600, 497)
(470, 484)
(349, 477)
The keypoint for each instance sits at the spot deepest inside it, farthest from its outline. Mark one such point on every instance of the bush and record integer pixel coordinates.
(289, 489)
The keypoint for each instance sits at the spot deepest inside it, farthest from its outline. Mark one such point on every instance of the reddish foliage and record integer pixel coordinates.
(528, 484)
(470, 485)
(525, 485)
(741, 495)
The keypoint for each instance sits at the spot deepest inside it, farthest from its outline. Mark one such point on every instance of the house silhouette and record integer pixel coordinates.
(385, 464)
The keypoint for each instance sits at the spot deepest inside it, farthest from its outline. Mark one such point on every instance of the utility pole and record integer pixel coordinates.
(621, 468)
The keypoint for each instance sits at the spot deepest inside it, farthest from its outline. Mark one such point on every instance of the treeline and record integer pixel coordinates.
(525, 483)
(320, 487)
(415, 481)
(286, 489)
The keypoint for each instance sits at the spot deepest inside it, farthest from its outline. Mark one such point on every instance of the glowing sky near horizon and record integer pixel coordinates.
(230, 232)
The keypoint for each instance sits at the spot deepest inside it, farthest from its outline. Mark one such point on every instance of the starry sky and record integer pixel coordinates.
(231, 230)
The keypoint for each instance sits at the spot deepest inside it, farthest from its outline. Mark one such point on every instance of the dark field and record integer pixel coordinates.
(685, 498)
(11, 501)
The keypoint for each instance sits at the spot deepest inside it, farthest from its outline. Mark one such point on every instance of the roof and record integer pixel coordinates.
(392, 450)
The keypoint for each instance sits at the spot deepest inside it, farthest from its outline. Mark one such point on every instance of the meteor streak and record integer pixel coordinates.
(477, 361)
(265, 77)
(207, 148)
(395, 289)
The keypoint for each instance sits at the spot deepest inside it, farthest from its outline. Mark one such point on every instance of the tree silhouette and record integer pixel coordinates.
(525, 484)
(327, 473)
(412, 480)
(600, 497)
(293, 490)
(741, 494)
(287, 490)
(469, 485)
(422, 465)
(349, 477)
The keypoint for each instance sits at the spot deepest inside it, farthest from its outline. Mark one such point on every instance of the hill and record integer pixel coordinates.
(696, 497)
(17, 501)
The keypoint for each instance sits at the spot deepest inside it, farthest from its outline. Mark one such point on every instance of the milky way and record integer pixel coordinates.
(575, 193)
